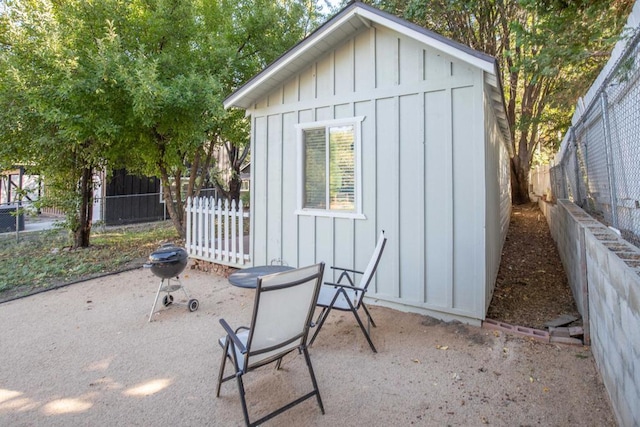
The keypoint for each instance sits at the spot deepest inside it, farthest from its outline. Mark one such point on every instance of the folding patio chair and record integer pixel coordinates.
(282, 312)
(346, 296)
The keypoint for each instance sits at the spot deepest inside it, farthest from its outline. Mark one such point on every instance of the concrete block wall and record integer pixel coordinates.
(604, 271)
(567, 223)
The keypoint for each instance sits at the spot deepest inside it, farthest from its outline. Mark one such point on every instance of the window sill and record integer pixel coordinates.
(329, 214)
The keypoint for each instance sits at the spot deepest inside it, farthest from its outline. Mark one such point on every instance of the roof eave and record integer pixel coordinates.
(238, 98)
(242, 98)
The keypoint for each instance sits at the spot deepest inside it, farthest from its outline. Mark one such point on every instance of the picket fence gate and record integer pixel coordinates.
(215, 231)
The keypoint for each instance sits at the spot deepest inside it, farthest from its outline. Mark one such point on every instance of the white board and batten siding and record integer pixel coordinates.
(432, 160)
(498, 203)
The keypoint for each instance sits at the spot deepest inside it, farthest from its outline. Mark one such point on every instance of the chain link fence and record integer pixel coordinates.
(598, 165)
(23, 216)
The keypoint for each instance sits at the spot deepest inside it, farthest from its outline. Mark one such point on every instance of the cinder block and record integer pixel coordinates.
(565, 340)
(517, 330)
(630, 318)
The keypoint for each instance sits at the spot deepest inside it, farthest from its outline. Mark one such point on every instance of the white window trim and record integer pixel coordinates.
(357, 125)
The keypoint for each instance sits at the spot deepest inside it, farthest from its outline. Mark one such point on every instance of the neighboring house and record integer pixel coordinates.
(17, 191)
(245, 176)
(373, 123)
(223, 169)
(18, 186)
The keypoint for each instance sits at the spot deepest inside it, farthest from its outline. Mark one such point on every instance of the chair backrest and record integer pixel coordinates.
(282, 312)
(368, 273)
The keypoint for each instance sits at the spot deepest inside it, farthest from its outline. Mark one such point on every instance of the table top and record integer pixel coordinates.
(248, 277)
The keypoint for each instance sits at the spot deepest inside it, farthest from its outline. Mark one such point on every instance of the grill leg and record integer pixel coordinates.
(153, 309)
(184, 291)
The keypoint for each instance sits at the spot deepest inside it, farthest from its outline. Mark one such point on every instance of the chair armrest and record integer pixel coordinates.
(345, 273)
(347, 269)
(342, 285)
(231, 334)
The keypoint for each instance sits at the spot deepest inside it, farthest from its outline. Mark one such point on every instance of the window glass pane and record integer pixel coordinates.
(315, 173)
(341, 168)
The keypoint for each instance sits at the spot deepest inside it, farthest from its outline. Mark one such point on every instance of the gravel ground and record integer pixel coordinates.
(86, 355)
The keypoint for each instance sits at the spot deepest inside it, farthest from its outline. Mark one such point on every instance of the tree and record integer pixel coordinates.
(285, 26)
(549, 52)
(178, 79)
(136, 84)
(235, 143)
(57, 112)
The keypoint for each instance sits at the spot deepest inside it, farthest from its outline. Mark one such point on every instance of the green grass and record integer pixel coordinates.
(44, 259)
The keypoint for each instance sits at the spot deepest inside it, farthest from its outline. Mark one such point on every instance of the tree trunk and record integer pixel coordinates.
(519, 183)
(235, 183)
(175, 212)
(85, 215)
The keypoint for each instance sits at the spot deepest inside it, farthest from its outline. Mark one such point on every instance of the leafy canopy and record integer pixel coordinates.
(138, 84)
(549, 53)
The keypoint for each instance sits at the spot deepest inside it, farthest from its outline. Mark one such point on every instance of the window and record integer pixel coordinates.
(329, 168)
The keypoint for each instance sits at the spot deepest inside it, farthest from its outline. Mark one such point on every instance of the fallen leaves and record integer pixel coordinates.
(530, 256)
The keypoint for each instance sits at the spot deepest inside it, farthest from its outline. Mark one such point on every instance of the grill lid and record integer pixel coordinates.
(168, 253)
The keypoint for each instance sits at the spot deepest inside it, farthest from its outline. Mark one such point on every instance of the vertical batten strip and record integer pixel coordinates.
(398, 65)
(451, 136)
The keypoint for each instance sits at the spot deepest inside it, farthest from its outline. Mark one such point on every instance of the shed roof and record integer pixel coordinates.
(350, 20)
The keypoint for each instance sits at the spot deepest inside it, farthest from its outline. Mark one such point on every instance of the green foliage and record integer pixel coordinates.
(88, 85)
(58, 115)
(549, 51)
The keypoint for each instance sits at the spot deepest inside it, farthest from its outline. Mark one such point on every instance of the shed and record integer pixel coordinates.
(373, 123)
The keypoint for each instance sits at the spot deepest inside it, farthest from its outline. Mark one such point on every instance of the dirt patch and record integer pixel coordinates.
(532, 287)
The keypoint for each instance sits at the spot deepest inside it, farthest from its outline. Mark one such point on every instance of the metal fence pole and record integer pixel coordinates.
(576, 171)
(609, 159)
(563, 178)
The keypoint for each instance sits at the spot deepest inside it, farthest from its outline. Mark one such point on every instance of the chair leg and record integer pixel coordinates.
(313, 379)
(245, 411)
(364, 330)
(319, 317)
(366, 310)
(222, 365)
(319, 322)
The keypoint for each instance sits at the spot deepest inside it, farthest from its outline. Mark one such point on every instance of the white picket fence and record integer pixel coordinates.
(215, 231)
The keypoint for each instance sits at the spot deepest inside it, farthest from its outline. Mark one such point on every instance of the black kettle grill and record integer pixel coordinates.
(167, 262)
